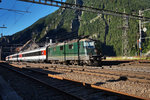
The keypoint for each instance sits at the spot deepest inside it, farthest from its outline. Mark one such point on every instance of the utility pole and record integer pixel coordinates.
(125, 36)
(78, 43)
(2, 33)
(1, 36)
(0, 52)
(140, 29)
(140, 33)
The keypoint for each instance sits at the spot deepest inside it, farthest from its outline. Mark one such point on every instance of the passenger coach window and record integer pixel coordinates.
(61, 47)
(71, 46)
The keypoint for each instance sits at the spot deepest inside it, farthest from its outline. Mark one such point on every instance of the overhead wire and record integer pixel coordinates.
(85, 8)
(9, 4)
(14, 10)
(16, 21)
(7, 17)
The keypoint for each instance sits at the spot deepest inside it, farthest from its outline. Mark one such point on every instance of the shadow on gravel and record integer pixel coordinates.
(44, 71)
(107, 63)
(122, 78)
(100, 83)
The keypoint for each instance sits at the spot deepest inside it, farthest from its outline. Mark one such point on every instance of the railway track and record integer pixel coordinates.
(98, 71)
(41, 89)
(77, 89)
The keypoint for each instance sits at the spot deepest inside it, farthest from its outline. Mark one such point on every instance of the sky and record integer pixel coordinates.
(17, 21)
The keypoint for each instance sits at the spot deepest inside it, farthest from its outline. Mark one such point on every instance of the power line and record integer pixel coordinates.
(85, 8)
(3, 27)
(15, 10)
(27, 9)
(6, 18)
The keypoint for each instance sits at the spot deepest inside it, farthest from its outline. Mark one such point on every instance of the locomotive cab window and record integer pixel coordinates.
(89, 44)
(71, 46)
(61, 47)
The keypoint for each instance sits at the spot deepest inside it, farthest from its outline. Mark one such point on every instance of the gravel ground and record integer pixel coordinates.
(130, 87)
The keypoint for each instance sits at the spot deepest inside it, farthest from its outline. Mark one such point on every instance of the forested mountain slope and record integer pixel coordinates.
(66, 24)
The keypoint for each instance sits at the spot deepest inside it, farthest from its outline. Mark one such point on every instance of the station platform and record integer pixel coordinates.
(6, 92)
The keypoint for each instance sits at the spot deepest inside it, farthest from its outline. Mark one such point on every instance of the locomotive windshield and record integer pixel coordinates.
(89, 44)
(90, 47)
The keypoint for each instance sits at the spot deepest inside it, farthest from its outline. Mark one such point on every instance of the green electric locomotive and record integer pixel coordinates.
(74, 52)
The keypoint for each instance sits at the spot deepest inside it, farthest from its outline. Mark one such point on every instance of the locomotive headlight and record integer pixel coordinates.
(95, 50)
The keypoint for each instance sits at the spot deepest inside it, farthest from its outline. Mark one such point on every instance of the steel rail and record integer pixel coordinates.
(108, 74)
(93, 86)
(104, 74)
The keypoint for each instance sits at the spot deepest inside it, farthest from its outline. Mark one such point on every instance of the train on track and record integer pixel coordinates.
(72, 52)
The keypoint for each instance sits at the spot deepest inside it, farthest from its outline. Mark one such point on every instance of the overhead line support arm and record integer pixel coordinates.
(85, 8)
